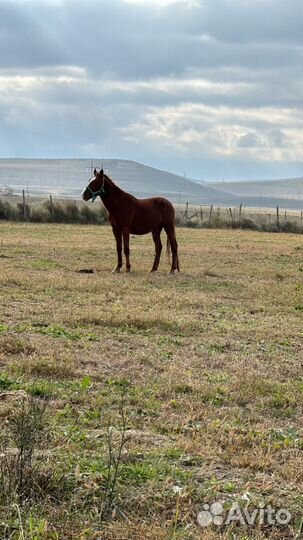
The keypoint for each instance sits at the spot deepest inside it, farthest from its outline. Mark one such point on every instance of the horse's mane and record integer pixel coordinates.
(110, 179)
(118, 189)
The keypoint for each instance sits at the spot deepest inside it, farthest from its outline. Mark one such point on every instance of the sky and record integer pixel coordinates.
(210, 89)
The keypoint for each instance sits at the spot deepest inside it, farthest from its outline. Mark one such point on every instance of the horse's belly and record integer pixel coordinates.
(141, 229)
(145, 222)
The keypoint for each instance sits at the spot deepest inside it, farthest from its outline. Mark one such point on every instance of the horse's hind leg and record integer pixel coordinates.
(126, 249)
(158, 247)
(171, 235)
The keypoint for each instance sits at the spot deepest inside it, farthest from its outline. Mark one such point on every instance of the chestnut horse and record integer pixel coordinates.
(128, 215)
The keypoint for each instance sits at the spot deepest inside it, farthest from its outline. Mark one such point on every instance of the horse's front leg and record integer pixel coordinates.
(126, 249)
(118, 237)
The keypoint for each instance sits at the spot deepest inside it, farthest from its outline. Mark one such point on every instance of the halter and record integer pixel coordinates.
(100, 191)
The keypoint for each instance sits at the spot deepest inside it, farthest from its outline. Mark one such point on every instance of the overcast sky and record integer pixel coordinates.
(210, 88)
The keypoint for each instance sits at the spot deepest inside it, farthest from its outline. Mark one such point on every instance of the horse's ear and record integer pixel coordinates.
(95, 172)
(101, 173)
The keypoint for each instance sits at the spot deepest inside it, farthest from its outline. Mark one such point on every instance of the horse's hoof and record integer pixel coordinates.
(116, 270)
(173, 272)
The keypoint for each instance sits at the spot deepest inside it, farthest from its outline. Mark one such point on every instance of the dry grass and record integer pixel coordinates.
(213, 364)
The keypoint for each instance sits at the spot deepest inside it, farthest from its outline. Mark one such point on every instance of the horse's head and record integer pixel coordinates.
(96, 186)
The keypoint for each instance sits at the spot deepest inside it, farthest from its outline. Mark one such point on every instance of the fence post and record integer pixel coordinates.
(211, 215)
(24, 205)
(51, 205)
(240, 211)
(231, 215)
(201, 213)
(278, 217)
(186, 211)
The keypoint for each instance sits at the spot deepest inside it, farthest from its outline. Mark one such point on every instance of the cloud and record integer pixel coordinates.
(171, 83)
(162, 3)
(250, 140)
(277, 138)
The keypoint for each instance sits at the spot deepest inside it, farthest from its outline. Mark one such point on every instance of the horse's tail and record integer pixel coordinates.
(168, 250)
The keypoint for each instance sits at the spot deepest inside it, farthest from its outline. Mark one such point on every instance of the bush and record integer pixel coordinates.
(8, 211)
(72, 213)
(191, 224)
(77, 212)
(40, 214)
(56, 212)
(96, 215)
(290, 227)
(20, 468)
(249, 224)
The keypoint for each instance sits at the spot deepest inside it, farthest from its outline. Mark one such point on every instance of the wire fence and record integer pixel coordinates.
(240, 216)
(202, 216)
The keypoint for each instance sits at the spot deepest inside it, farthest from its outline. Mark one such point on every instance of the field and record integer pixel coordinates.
(191, 385)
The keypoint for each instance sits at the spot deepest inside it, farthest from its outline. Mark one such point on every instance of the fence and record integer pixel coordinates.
(214, 216)
(204, 216)
(49, 210)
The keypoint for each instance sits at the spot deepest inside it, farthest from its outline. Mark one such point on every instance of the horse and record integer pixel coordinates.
(129, 215)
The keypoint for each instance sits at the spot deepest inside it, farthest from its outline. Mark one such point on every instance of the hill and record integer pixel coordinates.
(68, 177)
(288, 189)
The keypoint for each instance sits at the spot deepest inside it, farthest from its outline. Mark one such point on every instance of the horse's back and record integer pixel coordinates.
(158, 206)
(157, 203)
(152, 213)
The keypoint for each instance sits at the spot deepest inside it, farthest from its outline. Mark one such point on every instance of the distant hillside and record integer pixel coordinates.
(68, 177)
(287, 193)
(280, 189)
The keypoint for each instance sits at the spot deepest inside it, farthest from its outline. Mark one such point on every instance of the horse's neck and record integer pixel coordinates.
(114, 197)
